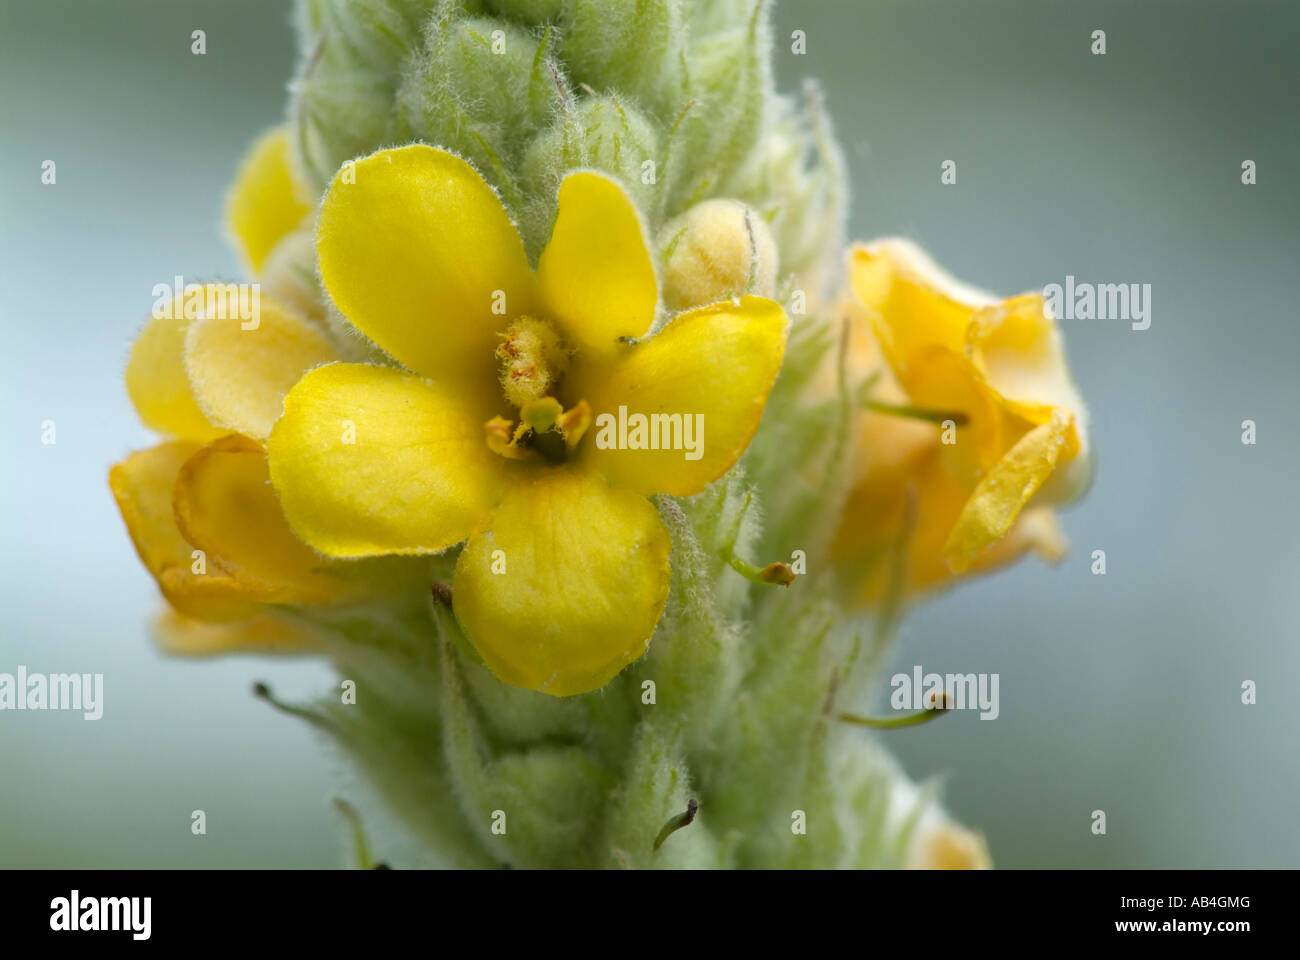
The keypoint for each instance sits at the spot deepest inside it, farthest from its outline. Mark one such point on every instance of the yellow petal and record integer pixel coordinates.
(225, 506)
(197, 586)
(562, 586)
(156, 380)
(418, 253)
(1021, 353)
(999, 497)
(913, 303)
(712, 369)
(370, 460)
(240, 376)
(943, 379)
(264, 633)
(596, 275)
(870, 524)
(265, 202)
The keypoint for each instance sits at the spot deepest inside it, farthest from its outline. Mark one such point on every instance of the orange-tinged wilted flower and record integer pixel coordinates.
(975, 490)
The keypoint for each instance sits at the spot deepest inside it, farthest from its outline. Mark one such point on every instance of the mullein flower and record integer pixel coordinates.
(970, 414)
(489, 434)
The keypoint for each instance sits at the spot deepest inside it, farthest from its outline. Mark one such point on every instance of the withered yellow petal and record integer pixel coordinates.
(225, 506)
(562, 586)
(265, 202)
(596, 275)
(699, 387)
(418, 253)
(1000, 495)
(241, 370)
(264, 633)
(196, 585)
(369, 460)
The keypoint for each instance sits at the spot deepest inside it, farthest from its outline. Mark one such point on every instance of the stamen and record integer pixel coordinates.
(533, 359)
(539, 423)
(501, 437)
(574, 422)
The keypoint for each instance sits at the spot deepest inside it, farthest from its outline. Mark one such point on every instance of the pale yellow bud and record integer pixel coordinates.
(716, 250)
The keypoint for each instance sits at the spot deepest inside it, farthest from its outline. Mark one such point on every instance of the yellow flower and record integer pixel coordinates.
(199, 507)
(501, 430)
(1018, 433)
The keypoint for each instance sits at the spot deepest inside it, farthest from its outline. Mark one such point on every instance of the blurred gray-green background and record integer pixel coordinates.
(1119, 693)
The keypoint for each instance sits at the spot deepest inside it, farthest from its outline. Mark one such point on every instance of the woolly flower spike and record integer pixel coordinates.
(501, 429)
(1017, 430)
(199, 507)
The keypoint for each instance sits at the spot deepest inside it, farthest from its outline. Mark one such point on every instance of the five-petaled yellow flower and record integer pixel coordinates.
(488, 435)
(999, 366)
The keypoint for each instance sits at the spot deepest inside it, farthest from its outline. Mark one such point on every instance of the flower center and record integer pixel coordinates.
(533, 358)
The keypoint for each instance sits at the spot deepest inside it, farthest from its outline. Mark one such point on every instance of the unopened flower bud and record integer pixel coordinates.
(715, 250)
